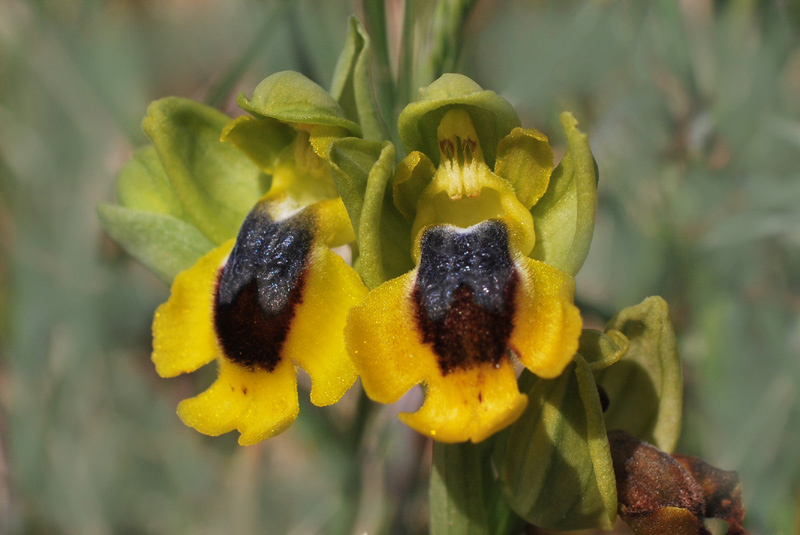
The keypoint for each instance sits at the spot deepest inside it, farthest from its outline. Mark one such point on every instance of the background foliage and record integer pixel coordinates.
(692, 109)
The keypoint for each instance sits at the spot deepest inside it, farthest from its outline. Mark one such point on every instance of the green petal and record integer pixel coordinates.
(564, 217)
(163, 243)
(645, 388)
(557, 467)
(525, 159)
(492, 115)
(362, 171)
(412, 176)
(142, 184)
(216, 184)
(602, 349)
(292, 98)
(352, 86)
(262, 140)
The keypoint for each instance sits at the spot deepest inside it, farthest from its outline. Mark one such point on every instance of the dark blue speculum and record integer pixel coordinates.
(464, 294)
(260, 288)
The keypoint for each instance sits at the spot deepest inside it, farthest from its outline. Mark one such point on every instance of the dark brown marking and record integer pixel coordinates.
(469, 334)
(260, 287)
(447, 148)
(249, 336)
(464, 295)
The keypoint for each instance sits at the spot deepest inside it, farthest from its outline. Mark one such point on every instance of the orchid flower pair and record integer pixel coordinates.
(462, 253)
(458, 274)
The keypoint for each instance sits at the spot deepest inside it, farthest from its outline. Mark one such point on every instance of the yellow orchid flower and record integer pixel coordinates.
(276, 296)
(476, 303)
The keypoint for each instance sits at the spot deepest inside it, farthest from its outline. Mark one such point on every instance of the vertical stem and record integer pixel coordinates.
(375, 21)
(446, 36)
(345, 520)
(465, 499)
(457, 500)
(406, 75)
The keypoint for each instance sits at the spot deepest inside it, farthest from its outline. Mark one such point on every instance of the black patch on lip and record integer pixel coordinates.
(464, 294)
(260, 287)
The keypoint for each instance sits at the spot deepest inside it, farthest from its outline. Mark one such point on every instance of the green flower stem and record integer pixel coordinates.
(446, 37)
(223, 88)
(375, 21)
(345, 520)
(502, 520)
(405, 75)
(457, 492)
(397, 510)
(465, 498)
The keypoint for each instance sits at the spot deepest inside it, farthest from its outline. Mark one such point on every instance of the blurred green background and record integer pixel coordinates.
(693, 112)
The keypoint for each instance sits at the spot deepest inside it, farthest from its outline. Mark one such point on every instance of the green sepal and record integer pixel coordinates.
(525, 158)
(564, 216)
(142, 184)
(492, 115)
(602, 349)
(645, 387)
(411, 177)
(458, 500)
(362, 171)
(292, 98)
(556, 467)
(352, 87)
(163, 243)
(263, 140)
(216, 184)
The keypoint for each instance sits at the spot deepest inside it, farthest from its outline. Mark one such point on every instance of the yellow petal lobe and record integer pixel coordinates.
(383, 343)
(183, 327)
(316, 341)
(469, 404)
(260, 404)
(547, 325)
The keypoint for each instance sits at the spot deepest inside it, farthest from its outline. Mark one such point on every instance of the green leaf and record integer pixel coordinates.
(163, 243)
(564, 217)
(362, 170)
(602, 349)
(645, 387)
(142, 184)
(458, 479)
(492, 115)
(556, 468)
(292, 98)
(216, 184)
(352, 87)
